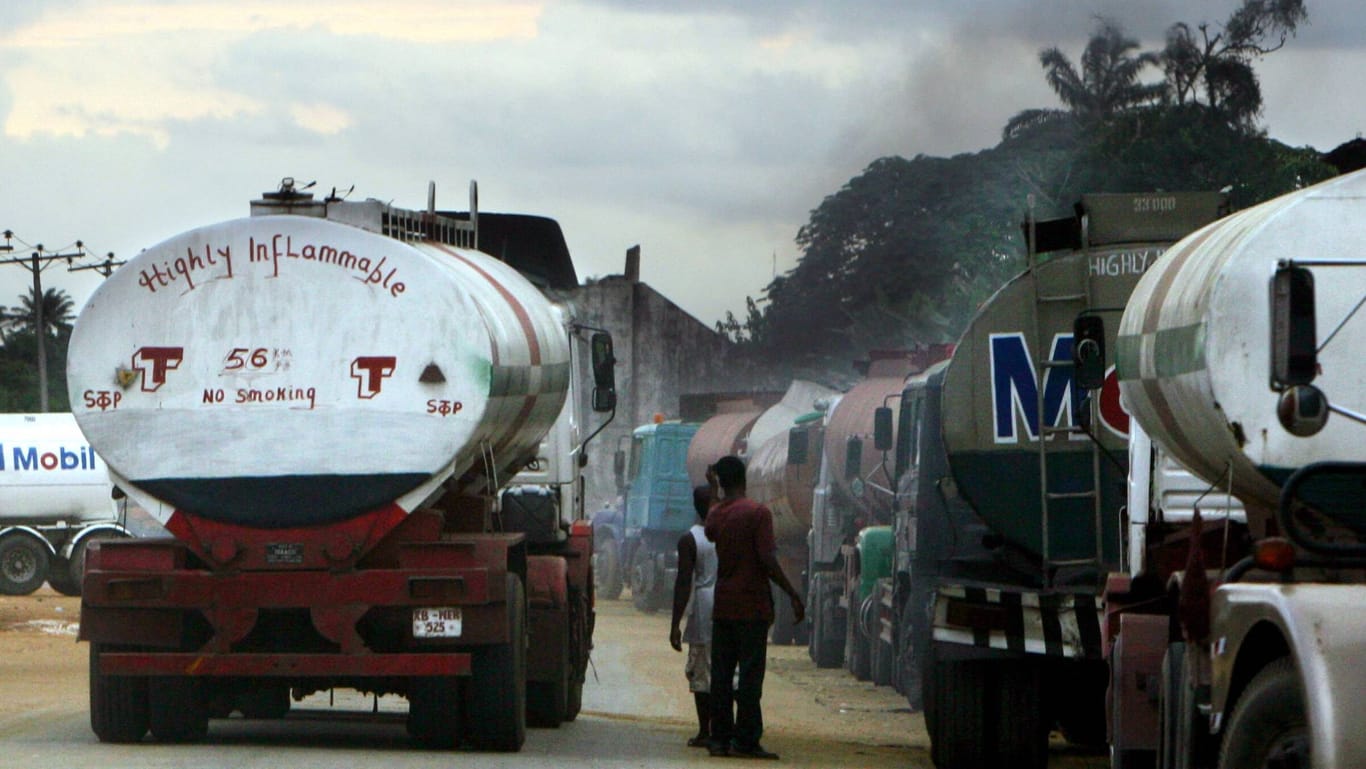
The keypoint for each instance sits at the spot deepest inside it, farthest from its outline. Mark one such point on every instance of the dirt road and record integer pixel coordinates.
(637, 712)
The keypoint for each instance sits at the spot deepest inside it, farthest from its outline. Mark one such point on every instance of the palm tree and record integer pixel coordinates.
(57, 312)
(1108, 80)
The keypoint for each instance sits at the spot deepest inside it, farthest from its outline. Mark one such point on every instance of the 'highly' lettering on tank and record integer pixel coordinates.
(195, 267)
(1124, 262)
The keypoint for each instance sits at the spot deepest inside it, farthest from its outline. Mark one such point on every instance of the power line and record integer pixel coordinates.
(38, 260)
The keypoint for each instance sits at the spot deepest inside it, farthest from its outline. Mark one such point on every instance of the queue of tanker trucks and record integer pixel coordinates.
(1124, 505)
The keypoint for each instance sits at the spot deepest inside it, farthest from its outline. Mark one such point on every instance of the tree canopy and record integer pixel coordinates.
(905, 251)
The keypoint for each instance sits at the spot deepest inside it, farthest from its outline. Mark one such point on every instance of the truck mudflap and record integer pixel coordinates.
(1323, 627)
(1052, 624)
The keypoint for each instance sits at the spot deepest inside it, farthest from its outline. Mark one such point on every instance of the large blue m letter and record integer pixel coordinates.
(1015, 388)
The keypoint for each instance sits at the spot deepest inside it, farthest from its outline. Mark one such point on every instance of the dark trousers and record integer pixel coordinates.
(742, 643)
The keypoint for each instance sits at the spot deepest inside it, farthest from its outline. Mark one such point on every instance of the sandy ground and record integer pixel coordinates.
(637, 711)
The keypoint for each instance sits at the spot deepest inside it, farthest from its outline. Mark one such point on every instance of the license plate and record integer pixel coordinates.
(436, 622)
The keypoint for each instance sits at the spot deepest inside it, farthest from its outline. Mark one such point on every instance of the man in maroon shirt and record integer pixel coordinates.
(746, 556)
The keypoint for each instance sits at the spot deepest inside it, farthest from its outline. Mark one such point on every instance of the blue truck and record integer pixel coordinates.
(637, 538)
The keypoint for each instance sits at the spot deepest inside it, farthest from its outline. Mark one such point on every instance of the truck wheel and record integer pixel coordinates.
(580, 646)
(908, 663)
(547, 701)
(1019, 717)
(646, 591)
(264, 702)
(1268, 727)
(495, 695)
(826, 650)
(177, 709)
(607, 569)
(958, 698)
(59, 577)
(23, 564)
(434, 711)
(118, 704)
(855, 643)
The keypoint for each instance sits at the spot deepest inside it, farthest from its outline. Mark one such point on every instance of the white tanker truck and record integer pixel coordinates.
(1232, 645)
(55, 499)
(365, 435)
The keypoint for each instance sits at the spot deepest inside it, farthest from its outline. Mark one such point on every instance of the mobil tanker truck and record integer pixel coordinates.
(363, 433)
(1257, 649)
(55, 499)
(1009, 503)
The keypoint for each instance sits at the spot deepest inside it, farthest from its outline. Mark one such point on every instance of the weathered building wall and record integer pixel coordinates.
(662, 352)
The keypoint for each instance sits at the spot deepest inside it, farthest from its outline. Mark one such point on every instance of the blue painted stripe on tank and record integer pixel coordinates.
(278, 502)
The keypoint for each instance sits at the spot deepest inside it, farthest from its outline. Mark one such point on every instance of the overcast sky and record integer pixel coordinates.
(705, 131)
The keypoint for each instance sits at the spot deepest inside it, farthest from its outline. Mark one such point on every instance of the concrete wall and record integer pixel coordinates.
(662, 352)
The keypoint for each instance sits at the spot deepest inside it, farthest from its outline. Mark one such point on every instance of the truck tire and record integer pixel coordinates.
(264, 702)
(825, 651)
(1019, 717)
(607, 581)
(59, 578)
(177, 709)
(118, 704)
(495, 695)
(1268, 727)
(958, 697)
(547, 701)
(580, 646)
(434, 711)
(23, 563)
(855, 643)
(647, 594)
(879, 653)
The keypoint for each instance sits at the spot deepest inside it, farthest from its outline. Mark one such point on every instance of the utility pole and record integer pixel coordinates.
(36, 263)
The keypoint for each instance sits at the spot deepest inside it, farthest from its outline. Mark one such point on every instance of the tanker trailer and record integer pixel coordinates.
(785, 488)
(1014, 509)
(321, 403)
(1261, 654)
(55, 499)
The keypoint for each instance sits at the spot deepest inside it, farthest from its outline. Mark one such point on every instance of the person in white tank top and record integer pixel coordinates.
(694, 591)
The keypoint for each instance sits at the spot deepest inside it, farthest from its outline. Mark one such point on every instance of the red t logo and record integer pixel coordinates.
(153, 362)
(370, 371)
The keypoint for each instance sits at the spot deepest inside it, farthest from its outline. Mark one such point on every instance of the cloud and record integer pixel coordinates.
(139, 67)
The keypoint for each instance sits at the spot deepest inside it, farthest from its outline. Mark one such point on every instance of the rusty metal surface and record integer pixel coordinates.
(721, 435)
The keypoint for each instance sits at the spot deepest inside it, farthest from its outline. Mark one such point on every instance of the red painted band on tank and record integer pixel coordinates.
(1168, 278)
(332, 545)
(1152, 388)
(533, 342)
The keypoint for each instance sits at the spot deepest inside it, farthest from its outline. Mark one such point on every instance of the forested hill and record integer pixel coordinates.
(905, 251)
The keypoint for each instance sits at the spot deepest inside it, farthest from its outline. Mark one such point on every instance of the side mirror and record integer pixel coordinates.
(619, 467)
(882, 429)
(1088, 352)
(1294, 336)
(604, 375)
(798, 446)
(853, 458)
